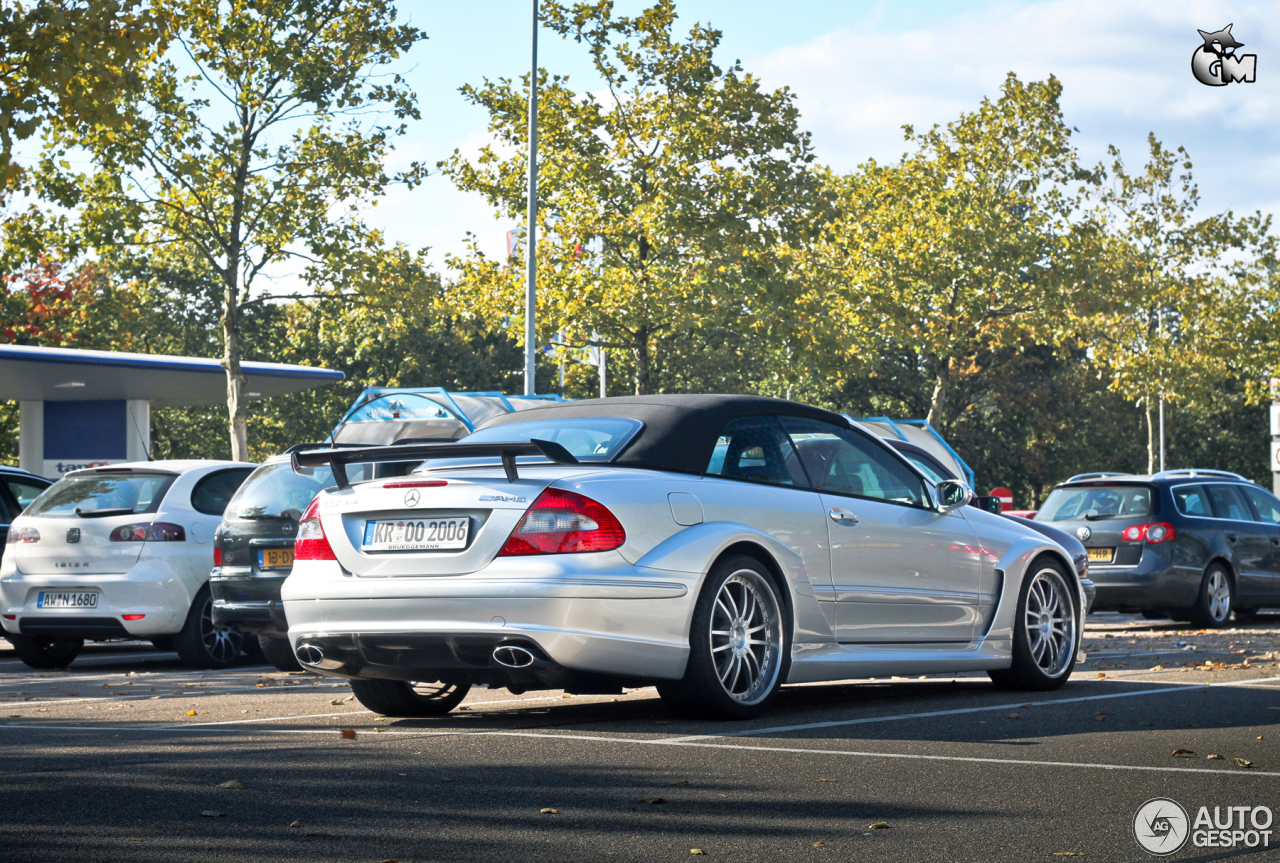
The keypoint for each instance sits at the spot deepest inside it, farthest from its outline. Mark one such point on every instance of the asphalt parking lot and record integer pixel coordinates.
(120, 757)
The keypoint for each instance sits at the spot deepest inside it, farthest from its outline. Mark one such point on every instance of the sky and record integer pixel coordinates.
(861, 70)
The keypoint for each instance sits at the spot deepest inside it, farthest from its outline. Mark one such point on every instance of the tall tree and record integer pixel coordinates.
(258, 144)
(667, 207)
(973, 241)
(1188, 286)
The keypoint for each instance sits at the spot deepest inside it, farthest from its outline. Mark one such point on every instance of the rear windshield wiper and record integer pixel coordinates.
(263, 516)
(1098, 515)
(103, 513)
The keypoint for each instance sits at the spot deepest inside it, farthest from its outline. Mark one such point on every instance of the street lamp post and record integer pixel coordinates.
(531, 273)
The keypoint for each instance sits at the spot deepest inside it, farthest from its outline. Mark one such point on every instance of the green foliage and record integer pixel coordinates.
(69, 59)
(668, 210)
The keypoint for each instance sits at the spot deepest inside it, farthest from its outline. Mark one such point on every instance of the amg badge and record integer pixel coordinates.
(503, 498)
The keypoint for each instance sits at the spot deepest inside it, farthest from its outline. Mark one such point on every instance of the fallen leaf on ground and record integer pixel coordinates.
(1182, 753)
(1068, 853)
(1192, 725)
(655, 800)
(389, 860)
(566, 695)
(233, 784)
(192, 713)
(348, 734)
(1259, 736)
(825, 779)
(696, 851)
(338, 701)
(464, 707)
(321, 833)
(104, 686)
(296, 824)
(71, 693)
(1028, 705)
(1102, 675)
(550, 811)
(1215, 758)
(879, 825)
(1013, 716)
(210, 813)
(379, 730)
(1101, 717)
(1242, 762)
(819, 845)
(686, 781)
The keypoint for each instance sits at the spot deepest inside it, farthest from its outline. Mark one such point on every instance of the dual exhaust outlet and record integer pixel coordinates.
(506, 655)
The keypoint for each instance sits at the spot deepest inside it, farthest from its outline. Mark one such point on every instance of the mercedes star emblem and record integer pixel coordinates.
(1084, 533)
(411, 498)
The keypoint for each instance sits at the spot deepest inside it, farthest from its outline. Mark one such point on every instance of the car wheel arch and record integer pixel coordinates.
(760, 554)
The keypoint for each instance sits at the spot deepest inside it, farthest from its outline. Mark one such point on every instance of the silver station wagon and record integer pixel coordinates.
(715, 546)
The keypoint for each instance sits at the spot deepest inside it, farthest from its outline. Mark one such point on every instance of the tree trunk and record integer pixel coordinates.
(238, 422)
(938, 402)
(643, 370)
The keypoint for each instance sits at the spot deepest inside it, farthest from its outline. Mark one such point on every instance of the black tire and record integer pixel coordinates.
(42, 652)
(279, 653)
(1042, 662)
(1217, 596)
(1155, 614)
(163, 642)
(200, 644)
(398, 698)
(740, 596)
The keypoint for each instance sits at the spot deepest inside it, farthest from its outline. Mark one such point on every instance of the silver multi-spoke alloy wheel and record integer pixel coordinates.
(746, 631)
(1218, 590)
(222, 643)
(1050, 622)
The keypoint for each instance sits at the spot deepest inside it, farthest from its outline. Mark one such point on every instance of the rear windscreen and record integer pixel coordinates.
(1096, 502)
(89, 496)
(587, 438)
(275, 491)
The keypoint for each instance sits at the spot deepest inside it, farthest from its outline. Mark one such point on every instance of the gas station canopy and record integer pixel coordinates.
(64, 374)
(86, 408)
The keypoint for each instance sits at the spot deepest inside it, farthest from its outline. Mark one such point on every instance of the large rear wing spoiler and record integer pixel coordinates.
(337, 459)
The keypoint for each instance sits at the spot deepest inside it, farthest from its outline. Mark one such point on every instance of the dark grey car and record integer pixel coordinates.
(1188, 544)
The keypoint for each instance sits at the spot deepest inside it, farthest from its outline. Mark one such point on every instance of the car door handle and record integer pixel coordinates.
(843, 516)
(1232, 537)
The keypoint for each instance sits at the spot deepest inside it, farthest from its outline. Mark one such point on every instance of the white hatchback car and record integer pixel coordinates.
(122, 551)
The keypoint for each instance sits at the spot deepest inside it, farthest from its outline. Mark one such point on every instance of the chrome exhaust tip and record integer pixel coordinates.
(309, 654)
(510, 656)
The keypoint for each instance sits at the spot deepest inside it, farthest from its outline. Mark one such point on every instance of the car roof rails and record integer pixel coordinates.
(1196, 471)
(1097, 475)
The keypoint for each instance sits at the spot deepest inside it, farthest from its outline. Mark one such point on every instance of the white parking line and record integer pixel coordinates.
(1019, 762)
(6, 680)
(837, 723)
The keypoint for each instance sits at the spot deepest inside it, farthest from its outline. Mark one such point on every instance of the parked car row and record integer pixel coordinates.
(713, 546)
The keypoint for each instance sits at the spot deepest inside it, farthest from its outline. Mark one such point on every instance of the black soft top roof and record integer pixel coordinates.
(680, 430)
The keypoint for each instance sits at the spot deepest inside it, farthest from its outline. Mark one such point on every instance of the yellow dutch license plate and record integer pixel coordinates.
(273, 557)
(1101, 555)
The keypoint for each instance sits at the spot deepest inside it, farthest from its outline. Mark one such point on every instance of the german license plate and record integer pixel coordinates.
(273, 557)
(66, 600)
(416, 534)
(1101, 555)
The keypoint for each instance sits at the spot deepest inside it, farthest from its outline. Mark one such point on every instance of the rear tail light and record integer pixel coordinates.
(133, 616)
(217, 556)
(154, 532)
(23, 534)
(564, 522)
(311, 543)
(1153, 533)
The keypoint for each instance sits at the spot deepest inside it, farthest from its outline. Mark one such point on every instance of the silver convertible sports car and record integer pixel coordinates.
(714, 546)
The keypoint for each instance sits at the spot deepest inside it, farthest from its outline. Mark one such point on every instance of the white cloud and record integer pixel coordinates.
(1125, 69)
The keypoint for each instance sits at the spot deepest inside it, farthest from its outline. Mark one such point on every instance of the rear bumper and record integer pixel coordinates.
(250, 604)
(618, 620)
(1153, 583)
(154, 589)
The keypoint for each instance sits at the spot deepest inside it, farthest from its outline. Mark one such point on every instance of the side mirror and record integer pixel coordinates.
(988, 503)
(953, 494)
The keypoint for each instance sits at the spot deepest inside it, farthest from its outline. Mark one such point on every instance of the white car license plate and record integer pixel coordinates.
(416, 534)
(66, 600)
